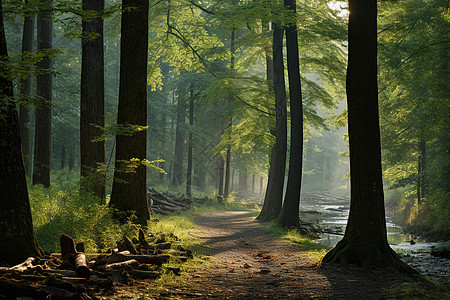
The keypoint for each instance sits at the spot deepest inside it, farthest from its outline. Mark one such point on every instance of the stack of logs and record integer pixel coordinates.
(69, 275)
(164, 203)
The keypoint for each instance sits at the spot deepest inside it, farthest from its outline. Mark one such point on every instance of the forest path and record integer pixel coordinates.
(249, 264)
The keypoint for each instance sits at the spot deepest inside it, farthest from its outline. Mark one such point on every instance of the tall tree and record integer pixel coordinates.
(190, 144)
(177, 176)
(92, 106)
(129, 191)
(275, 184)
(25, 91)
(365, 241)
(17, 239)
(42, 146)
(227, 189)
(289, 212)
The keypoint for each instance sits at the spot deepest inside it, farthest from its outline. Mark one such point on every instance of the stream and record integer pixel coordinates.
(329, 211)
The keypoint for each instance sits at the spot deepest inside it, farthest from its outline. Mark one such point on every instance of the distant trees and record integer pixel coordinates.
(92, 111)
(415, 88)
(365, 240)
(42, 145)
(17, 235)
(129, 191)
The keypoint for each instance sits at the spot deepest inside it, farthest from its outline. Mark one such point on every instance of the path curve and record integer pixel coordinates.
(248, 264)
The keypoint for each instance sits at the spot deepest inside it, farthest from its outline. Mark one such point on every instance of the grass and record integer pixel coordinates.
(314, 251)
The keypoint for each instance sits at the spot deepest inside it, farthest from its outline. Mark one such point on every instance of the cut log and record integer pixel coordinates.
(126, 244)
(13, 289)
(81, 267)
(143, 259)
(132, 263)
(80, 247)
(157, 260)
(67, 249)
(142, 242)
(144, 274)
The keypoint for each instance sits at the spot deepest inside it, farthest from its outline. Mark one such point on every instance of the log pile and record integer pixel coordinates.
(69, 275)
(163, 203)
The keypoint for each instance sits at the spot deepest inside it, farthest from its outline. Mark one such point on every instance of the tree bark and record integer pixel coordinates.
(25, 93)
(220, 167)
(129, 191)
(42, 146)
(227, 189)
(275, 183)
(365, 241)
(92, 101)
(63, 156)
(190, 144)
(177, 179)
(17, 236)
(289, 212)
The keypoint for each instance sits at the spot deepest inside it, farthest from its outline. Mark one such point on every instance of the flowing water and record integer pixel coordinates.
(329, 211)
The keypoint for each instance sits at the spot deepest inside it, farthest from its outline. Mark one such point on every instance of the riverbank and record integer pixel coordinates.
(247, 263)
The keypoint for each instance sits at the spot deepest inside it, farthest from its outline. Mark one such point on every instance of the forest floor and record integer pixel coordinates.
(249, 264)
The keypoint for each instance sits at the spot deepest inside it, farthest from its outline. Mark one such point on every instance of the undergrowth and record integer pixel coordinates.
(314, 251)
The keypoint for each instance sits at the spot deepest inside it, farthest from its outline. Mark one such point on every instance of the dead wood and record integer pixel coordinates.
(69, 273)
(67, 249)
(131, 263)
(13, 289)
(81, 267)
(28, 263)
(126, 244)
(144, 274)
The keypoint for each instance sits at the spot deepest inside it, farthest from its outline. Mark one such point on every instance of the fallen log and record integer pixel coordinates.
(144, 274)
(12, 289)
(142, 259)
(81, 267)
(131, 263)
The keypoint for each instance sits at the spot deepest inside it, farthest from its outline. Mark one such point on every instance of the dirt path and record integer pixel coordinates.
(250, 265)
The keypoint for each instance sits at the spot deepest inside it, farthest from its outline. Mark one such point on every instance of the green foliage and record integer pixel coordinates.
(414, 107)
(62, 210)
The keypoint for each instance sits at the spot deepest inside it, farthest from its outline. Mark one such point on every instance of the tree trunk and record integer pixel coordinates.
(289, 212)
(92, 153)
(253, 183)
(129, 191)
(42, 146)
(261, 184)
(25, 91)
(162, 165)
(190, 145)
(243, 182)
(177, 179)
(63, 157)
(365, 241)
(275, 183)
(17, 235)
(71, 159)
(171, 146)
(201, 178)
(227, 190)
(232, 181)
(220, 167)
